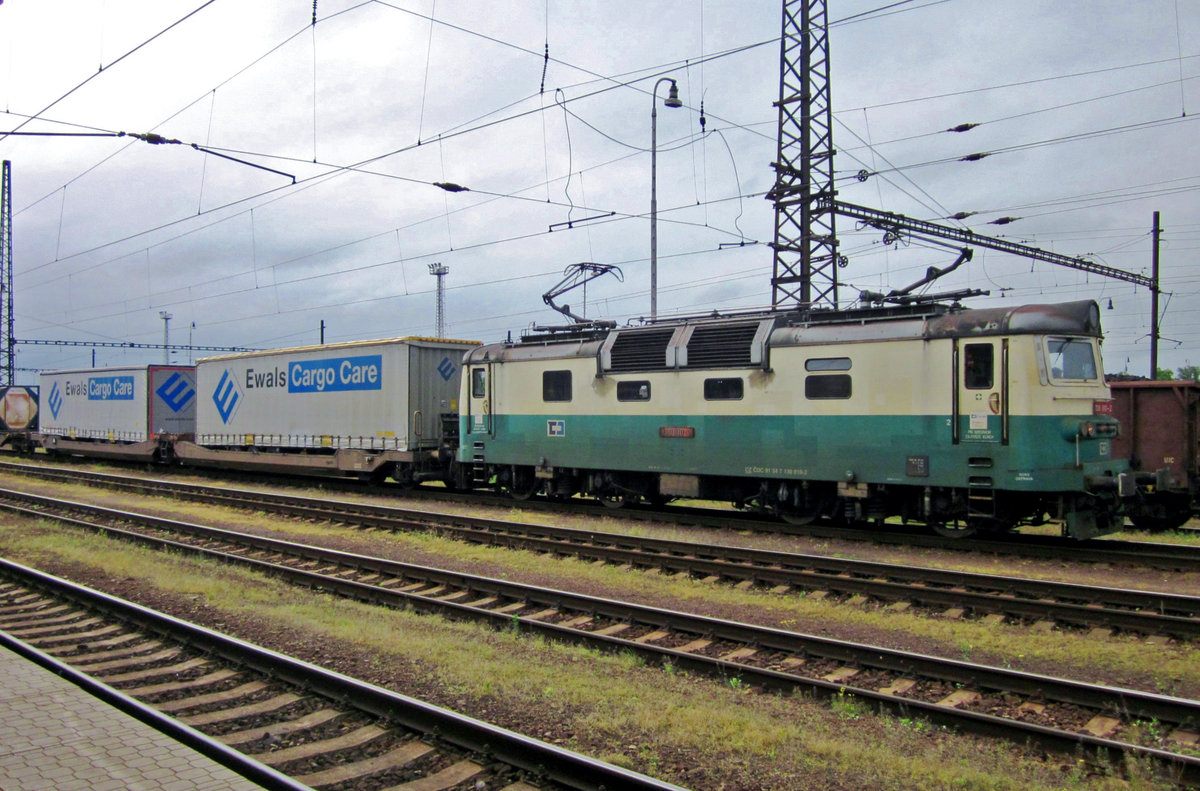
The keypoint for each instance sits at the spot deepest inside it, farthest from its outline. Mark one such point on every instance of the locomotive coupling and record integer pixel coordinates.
(1125, 483)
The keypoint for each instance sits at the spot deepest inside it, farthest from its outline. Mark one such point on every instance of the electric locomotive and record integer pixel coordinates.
(965, 419)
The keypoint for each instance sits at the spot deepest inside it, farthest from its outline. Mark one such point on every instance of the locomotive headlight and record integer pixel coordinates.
(1087, 429)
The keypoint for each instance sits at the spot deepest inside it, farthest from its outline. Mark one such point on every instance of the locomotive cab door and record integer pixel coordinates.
(479, 405)
(980, 391)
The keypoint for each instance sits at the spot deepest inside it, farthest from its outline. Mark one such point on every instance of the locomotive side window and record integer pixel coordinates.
(828, 386)
(556, 385)
(1071, 359)
(978, 366)
(478, 383)
(723, 389)
(827, 364)
(633, 391)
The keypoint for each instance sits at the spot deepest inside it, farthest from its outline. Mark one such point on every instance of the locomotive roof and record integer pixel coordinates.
(1072, 318)
(741, 339)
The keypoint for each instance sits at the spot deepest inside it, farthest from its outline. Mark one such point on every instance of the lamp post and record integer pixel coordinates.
(166, 317)
(672, 100)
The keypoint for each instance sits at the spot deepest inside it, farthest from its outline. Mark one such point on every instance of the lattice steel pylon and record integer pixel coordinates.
(806, 258)
(7, 343)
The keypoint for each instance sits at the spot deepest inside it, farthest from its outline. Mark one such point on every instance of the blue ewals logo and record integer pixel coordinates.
(177, 392)
(226, 396)
(446, 368)
(56, 400)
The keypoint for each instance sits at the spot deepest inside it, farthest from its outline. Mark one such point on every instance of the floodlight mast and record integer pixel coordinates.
(440, 271)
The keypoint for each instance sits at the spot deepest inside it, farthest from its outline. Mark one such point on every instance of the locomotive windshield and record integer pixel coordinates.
(1071, 359)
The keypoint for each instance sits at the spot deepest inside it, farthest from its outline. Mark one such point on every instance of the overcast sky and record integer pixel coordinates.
(1088, 108)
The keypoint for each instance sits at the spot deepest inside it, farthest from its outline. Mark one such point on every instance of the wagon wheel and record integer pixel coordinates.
(1168, 511)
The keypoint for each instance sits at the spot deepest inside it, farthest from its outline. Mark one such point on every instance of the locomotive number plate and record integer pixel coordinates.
(916, 466)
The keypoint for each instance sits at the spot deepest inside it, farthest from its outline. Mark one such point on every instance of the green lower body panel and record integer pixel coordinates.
(1041, 454)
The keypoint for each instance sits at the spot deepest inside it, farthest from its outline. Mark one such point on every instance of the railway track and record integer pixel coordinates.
(283, 723)
(1144, 554)
(1057, 713)
(961, 594)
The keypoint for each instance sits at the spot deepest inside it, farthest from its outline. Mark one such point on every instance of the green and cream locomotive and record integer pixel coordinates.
(964, 419)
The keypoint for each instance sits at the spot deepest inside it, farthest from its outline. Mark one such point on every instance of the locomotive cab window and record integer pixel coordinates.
(633, 391)
(978, 366)
(724, 389)
(556, 385)
(478, 383)
(1071, 360)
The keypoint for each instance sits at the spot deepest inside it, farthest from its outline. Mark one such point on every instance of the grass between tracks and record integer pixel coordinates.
(1120, 660)
(691, 731)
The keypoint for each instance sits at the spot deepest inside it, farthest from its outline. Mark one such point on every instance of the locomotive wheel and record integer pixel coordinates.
(524, 484)
(956, 529)
(526, 491)
(616, 500)
(798, 518)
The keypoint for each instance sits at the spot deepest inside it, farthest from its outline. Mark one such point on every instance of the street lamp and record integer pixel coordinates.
(672, 100)
(166, 317)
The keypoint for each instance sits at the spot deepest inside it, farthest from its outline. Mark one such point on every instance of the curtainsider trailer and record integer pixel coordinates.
(371, 409)
(129, 412)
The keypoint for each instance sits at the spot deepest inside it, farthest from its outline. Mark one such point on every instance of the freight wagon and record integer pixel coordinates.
(371, 409)
(131, 412)
(18, 417)
(966, 420)
(1160, 433)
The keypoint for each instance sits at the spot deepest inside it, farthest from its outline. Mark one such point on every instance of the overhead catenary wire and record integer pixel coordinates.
(453, 132)
(103, 69)
(543, 54)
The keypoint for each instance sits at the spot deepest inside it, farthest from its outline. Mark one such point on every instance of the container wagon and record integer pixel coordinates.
(131, 412)
(1160, 433)
(369, 409)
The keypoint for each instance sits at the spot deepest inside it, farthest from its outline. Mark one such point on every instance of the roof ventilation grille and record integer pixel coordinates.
(721, 346)
(640, 351)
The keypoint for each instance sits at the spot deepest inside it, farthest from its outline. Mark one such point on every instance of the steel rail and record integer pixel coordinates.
(546, 761)
(207, 746)
(1161, 556)
(1143, 612)
(1123, 703)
